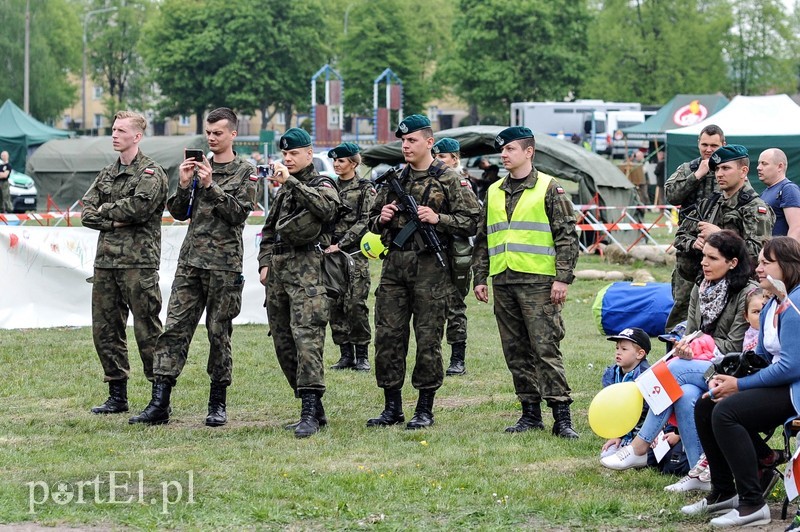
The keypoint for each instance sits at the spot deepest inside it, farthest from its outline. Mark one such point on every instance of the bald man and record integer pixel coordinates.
(782, 195)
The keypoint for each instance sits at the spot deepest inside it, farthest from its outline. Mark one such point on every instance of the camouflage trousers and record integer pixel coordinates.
(410, 285)
(350, 315)
(681, 292)
(115, 294)
(531, 329)
(219, 294)
(298, 309)
(5, 196)
(456, 318)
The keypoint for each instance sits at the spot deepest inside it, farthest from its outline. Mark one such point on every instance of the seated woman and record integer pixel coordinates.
(716, 308)
(733, 411)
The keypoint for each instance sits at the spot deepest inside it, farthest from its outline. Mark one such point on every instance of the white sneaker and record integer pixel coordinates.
(702, 506)
(688, 483)
(732, 518)
(625, 458)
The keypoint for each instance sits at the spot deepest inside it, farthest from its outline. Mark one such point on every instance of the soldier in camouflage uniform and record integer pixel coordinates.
(412, 283)
(530, 260)
(298, 227)
(218, 196)
(350, 315)
(691, 183)
(736, 206)
(125, 204)
(447, 150)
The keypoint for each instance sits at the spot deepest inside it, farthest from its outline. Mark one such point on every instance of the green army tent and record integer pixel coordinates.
(20, 133)
(561, 159)
(756, 122)
(681, 111)
(64, 169)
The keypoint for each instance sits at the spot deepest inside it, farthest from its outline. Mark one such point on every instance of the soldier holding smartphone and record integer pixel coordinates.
(218, 195)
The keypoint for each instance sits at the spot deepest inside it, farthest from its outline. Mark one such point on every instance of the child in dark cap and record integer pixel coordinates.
(630, 360)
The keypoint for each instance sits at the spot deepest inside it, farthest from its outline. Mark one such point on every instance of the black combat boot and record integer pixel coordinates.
(320, 413)
(217, 416)
(308, 416)
(362, 360)
(347, 359)
(563, 422)
(531, 418)
(392, 411)
(117, 401)
(158, 410)
(423, 414)
(457, 366)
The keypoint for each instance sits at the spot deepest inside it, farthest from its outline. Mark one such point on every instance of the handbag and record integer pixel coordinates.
(740, 364)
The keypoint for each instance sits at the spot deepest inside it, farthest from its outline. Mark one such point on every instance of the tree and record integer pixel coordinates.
(649, 50)
(114, 60)
(760, 48)
(381, 34)
(55, 43)
(517, 51)
(243, 54)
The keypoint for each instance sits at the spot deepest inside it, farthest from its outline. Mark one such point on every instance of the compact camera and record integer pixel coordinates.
(194, 154)
(265, 170)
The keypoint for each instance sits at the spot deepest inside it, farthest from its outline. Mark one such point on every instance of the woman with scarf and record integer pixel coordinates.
(716, 309)
(735, 410)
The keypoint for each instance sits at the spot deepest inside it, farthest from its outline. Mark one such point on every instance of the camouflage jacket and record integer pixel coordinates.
(357, 196)
(133, 195)
(558, 206)
(449, 195)
(219, 212)
(321, 199)
(744, 212)
(684, 189)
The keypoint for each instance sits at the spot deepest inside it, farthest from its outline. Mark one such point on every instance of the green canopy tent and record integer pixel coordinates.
(756, 122)
(20, 133)
(561, 159)
(64, 169)
(681, 111)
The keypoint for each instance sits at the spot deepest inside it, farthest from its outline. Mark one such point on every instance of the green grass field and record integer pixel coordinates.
(58, 462)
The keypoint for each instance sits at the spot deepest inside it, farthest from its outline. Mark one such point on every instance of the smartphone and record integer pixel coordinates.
(265, 170)
(191, 153)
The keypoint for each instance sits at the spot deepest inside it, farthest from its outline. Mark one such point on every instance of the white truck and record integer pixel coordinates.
(584, 118)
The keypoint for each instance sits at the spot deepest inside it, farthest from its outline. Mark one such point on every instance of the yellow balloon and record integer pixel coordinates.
(615, 410)
(372, 247)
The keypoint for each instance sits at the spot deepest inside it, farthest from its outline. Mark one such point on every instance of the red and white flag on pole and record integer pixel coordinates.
(659, 387)
(791, 477)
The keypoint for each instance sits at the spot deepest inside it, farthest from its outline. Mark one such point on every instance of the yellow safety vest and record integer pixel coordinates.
(526, 243)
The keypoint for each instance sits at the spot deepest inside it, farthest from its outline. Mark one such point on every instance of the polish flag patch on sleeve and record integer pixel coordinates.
(464, 183)
(762, 210)
(149, 171)
(559, 190)
(253, 177)
(326, 184)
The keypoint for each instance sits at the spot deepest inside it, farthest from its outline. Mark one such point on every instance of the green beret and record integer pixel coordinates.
(446, 145)
(731, 152)
(411, 124)
(295, 138)
(511, 134)
(343, 150)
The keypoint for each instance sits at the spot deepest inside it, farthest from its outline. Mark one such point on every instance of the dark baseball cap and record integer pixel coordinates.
(635, 335)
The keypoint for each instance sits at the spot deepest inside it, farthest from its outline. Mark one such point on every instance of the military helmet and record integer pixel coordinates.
(299, 227)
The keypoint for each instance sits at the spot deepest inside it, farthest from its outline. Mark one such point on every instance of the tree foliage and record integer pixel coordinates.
(243, 54)
(649, 50)
(55, 51)
(381, 34)
(760, 49)
(112, 50)
(517, 51)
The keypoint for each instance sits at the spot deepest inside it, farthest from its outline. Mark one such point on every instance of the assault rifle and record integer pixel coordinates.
(415, 227)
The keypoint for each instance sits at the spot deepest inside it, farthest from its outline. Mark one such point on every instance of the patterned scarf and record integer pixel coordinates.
(713, 298)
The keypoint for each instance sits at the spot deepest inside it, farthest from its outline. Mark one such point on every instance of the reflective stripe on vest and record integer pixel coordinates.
(526, 243)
